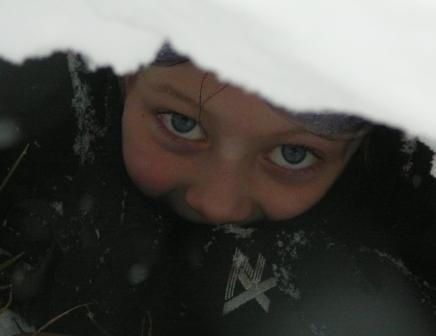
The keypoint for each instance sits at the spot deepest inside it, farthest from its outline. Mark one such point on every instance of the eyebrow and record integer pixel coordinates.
(172, 91)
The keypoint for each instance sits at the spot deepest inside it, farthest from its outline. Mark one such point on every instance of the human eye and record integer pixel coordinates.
(293, 157)
(181, 126)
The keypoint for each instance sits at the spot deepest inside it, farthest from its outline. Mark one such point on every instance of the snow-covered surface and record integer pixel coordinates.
(370, 57)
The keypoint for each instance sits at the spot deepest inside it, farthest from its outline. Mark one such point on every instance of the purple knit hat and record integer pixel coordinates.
(166, 56)
(330, 124)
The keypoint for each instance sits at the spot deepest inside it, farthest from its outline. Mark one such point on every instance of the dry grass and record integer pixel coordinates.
(10, 262)
(58, 317)
(3, 266)
(13, 168)
(8, 303)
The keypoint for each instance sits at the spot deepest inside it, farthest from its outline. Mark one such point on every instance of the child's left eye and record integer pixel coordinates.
(182, 126)
(293, 157)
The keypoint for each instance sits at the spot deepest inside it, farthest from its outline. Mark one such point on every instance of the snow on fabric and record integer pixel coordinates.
(12, 324)
(368, 57)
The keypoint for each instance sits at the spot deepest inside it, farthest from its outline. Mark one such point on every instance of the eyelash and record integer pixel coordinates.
(286, 172)
(289, 172)
(161, 111)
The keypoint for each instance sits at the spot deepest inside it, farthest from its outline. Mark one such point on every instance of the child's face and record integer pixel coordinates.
(237, 162)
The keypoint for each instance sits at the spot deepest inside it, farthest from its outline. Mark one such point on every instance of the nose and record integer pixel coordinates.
(221, 198)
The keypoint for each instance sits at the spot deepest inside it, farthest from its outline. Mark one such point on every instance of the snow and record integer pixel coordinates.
(237, 231)
(369, 57)
(289, 244)
(317, 331)
(431, 142)
(399, 264)
(409, 147)
(285, 279)
(10, 324)
(58, 206)
(88, 130)
(427, 290)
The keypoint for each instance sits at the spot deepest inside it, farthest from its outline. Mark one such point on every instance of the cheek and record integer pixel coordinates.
(289, 204)
(284, 202)
(148, 165)
(149, 171)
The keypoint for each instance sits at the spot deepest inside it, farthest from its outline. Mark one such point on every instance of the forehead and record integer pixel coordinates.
(185, 75)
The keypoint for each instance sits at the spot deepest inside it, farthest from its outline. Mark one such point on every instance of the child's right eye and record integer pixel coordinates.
(181, 125)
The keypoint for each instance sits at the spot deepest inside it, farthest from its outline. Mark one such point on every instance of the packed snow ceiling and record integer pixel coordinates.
(369, 57)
